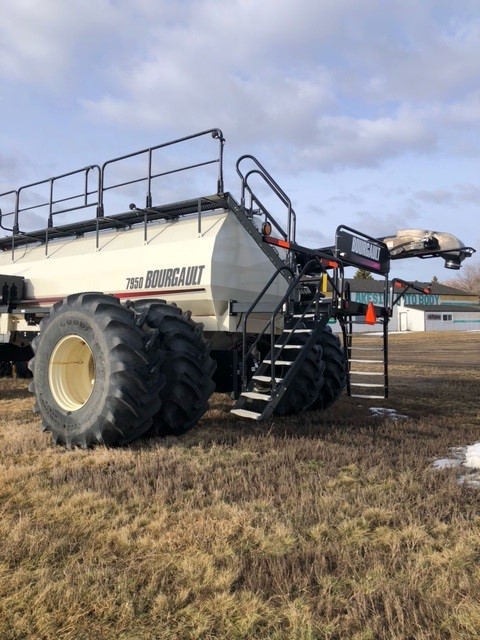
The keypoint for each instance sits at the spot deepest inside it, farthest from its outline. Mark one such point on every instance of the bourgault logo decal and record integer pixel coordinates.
(177, 277)
(365, 248)
(163, 278)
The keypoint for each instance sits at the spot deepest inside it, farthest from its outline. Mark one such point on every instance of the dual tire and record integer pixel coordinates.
(188, 367)
(305, 387)
(334, 373)
(321, 378)
(105, 373)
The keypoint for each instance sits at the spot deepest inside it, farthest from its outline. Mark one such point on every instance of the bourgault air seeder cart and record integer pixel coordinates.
(134, 316)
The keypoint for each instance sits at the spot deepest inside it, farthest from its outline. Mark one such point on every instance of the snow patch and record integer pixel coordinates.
(472, 480)
(445, 463)
(468, 457)
(390, 414)
(472, 456)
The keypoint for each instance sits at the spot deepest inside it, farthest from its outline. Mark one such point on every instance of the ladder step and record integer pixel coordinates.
(361, 395)
(367, 373)
(365, 384)
(244, 413)
(266, 379)
(279, 362)
(297, 331)
(289, 346)
(255, 395)
(369, 361)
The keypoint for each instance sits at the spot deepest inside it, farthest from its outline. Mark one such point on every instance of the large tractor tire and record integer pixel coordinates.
(188, 367)
(96, 372)
(335, 373)
(304, 389)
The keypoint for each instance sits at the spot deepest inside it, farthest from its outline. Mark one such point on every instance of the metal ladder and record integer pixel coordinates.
(367, 370)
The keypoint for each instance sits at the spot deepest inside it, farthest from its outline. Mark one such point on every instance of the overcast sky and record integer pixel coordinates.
(367, 112)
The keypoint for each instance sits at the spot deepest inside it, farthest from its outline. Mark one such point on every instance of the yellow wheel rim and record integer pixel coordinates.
(71, 373)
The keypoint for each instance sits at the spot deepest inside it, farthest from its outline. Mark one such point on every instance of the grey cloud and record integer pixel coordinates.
(285, 82)
(10, 167)
(7, 162)
(399, 54)
(456, 196)
(347, 198)
(318, 85)
(379, 224)
(469, 193)
(430, 61)
(288, 114)
(312, 237)
(435, 196)
(343, 141)
(269, 105)
(40, 42)
(466, 111)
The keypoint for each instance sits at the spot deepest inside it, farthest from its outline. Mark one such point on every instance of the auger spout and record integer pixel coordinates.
(421, 243)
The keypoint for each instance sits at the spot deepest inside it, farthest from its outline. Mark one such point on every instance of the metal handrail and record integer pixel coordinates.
(14, 193)
(271, 323)
(50, 203)
(268, 216)
(297, 324)
(277, 190)
(215, 133)
(246, 353)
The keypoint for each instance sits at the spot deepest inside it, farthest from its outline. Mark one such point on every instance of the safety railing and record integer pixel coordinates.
(259, 171)
(313, 306)
(151, 175)
(56, 199)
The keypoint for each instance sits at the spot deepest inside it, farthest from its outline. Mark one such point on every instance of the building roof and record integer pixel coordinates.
(375, 286)
(446, 308)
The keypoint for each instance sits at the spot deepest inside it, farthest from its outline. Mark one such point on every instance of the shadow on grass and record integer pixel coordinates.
(219, 427)
(434, 409)
(14, 389)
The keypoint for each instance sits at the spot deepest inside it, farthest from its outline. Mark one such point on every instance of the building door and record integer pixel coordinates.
(402, 321)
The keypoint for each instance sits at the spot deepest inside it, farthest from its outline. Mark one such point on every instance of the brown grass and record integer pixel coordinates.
(327, 525)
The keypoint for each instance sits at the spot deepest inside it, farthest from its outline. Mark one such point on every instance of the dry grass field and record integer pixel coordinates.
(328, 525)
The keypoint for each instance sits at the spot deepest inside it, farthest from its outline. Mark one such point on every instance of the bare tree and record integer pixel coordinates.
(467, 279)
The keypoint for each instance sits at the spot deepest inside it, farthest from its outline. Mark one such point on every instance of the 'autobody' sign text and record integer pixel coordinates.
(410, 298)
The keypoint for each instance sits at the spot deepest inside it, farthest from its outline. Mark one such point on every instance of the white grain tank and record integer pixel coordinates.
(199, 267)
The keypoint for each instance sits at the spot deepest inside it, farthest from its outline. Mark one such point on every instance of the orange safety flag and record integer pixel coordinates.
(370, 317)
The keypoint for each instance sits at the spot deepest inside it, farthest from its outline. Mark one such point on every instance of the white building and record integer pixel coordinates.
(443, 309)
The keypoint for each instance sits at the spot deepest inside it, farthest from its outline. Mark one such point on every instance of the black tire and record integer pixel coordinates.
(335, 374)
(306, 385)
(188, 367)
(96, 376)
(5, 369)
